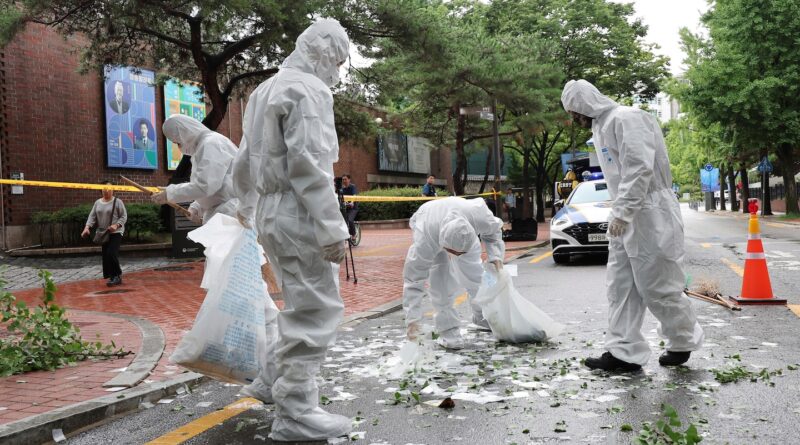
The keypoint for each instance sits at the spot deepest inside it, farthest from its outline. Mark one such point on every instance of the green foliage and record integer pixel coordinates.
(666, 431)
(41, 338)
(733, 374)
(746, 77)
(352, 122)
(379, 211)
(63, 227)
(143, 219)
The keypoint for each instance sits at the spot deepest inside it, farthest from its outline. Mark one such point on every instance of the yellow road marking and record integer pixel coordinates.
(705, 245)
(205, 423)
(541, 257)
(458, 301)
(795, 308)
(734, 267)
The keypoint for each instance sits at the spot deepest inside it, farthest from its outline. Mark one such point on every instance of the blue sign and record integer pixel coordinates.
(709, 179)
(765, 166)
(130, 103)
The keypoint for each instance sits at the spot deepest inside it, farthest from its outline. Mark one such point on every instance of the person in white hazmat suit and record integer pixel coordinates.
(209, 185)
(645, 232)
(446, 253)
(283, 176)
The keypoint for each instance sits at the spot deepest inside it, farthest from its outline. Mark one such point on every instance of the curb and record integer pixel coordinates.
(39, 429)
(153, 344)
(376, 312)
(86, 250)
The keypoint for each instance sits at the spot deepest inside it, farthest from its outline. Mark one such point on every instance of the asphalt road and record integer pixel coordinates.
(552, 398)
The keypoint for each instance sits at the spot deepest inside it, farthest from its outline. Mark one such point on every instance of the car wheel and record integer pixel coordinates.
(561, 258)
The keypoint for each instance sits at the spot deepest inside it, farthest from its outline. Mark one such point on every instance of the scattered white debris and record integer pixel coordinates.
(203, 404)
(617, 391)
(542, 393)
(58, 436)
(119, 369)
(115, 388)
(766, 343)
(145, 405)
(738, 337)
(165, 401)
(358, 435)
(606, 398)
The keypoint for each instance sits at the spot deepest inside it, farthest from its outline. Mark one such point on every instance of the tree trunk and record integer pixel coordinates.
(461, 157)
(732, 187)
(745, 188)
(786, 155)
(486, 171)
(526, 182)
(722, 189)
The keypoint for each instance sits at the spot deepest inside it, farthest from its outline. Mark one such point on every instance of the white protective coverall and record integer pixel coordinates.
(210, 185)
(283, 176)
(453, 223)
(645, 263)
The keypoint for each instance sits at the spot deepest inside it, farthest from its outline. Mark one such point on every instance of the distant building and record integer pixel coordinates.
(663, 107)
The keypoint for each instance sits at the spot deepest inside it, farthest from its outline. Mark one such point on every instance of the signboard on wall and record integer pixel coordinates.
(181, 98)
(130, 104)
(393, 152)
(419, 155)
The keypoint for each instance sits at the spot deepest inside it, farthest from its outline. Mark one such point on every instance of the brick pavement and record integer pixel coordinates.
(20, 272)
(170, 299)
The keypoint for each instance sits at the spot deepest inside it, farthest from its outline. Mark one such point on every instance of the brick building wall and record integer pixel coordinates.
(53, 126)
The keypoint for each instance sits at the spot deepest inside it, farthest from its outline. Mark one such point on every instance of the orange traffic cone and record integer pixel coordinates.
(756, 286)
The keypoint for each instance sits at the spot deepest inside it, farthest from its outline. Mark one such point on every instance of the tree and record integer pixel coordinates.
(748, 79)
(596, 40)
(454, 65)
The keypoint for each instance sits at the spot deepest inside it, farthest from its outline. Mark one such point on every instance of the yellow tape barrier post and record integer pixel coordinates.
(73, 185)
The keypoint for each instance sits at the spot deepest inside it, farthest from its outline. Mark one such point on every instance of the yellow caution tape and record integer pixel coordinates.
(364, 198)
(129, 188)
(73, 185)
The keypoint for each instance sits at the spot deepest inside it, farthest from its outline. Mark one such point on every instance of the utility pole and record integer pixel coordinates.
(496, 151)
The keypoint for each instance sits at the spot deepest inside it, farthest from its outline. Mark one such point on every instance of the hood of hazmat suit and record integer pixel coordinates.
(453, 223)
(210, 184)
(283, 176)
(633, 156)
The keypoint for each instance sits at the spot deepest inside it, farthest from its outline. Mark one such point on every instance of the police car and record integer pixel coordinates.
(580, 226)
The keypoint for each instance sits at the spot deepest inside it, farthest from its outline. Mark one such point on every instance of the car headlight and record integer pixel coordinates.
(560, 221)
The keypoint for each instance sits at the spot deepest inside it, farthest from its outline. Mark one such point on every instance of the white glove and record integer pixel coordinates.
(334, 253)
(195, 216)
(498, 265)
(616, 227)
(159, 198)
(244, 221)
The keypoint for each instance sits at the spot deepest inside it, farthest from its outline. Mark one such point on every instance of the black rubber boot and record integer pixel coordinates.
(608, 362)
(673, 358)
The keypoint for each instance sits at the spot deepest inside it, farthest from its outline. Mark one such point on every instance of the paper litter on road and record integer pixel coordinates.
(606, 398)
(203, 404)
(58, 436)
(116, 388)
(119, 369)
(165, 401)
(542, 393)
(145, 405)
(766, 343)
(358, 435)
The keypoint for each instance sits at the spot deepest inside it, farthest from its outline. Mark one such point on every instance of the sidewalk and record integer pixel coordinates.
(776, 220)
(170, 298)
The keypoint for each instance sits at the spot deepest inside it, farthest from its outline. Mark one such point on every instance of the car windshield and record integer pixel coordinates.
(590, 192)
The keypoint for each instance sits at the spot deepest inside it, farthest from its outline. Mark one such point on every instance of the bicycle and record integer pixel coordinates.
(355, 240)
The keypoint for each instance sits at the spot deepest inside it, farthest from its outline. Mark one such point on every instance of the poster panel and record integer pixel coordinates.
(393, 152)
(181, 98)
(130, 105)
(419, 155)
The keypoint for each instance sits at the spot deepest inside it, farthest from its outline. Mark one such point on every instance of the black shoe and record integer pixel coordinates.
(116, 281)
(673, 358)
(110, 282)
(608, 362)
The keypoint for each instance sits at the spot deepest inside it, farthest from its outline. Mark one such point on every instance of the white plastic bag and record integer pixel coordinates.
(235, 330)
(512, 317)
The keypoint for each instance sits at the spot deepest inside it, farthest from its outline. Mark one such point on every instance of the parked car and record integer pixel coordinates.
(580, 225)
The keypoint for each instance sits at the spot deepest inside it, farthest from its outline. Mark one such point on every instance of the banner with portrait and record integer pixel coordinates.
(181, 98)
(419, 155)
(393, 152)
(130, 104)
